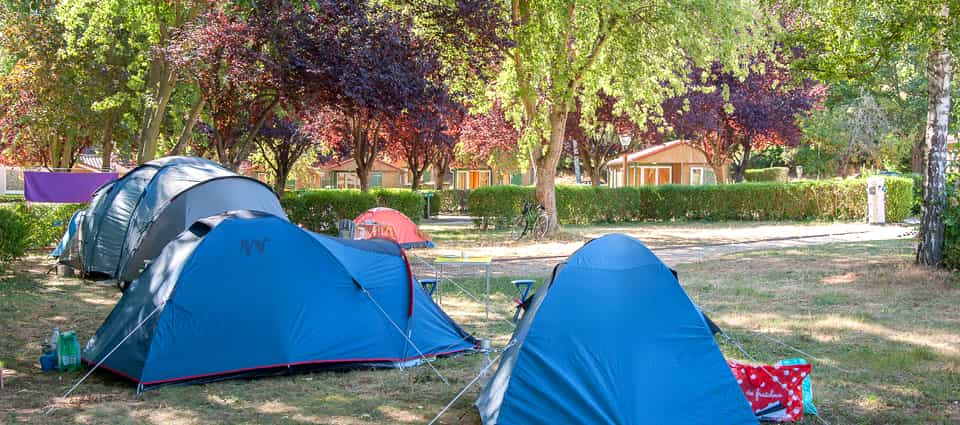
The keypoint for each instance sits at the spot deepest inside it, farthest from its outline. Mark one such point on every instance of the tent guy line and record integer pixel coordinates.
(402, 333)
(470, 384)
(94, 368)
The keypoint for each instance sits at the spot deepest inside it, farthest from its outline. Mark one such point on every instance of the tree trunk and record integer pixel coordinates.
(155, 109)
(364, 133)
(716, 160)
(440, 172)
(546, 165)
(939, 74)
(916, 153)
(590, 159)
(107, 141)
(56, 146)
(742, 165)
(280, 180)
(363, 173)
(595, 176)
(187, 134)
(417, 175)
(66, 155)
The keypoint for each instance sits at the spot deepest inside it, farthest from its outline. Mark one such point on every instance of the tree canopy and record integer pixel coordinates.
(639, 52)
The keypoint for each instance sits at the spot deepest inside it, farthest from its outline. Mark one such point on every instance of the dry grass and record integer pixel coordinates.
(654, 234)
(885, 335)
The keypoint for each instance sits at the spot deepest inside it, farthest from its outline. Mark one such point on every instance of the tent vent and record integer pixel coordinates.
(200, 228)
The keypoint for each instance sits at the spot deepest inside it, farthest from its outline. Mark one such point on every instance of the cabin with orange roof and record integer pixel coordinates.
(674, 162)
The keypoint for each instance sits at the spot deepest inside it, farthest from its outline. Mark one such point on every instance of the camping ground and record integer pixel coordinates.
(884, 334)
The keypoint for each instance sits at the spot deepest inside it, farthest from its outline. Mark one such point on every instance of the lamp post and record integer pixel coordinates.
(624, 142)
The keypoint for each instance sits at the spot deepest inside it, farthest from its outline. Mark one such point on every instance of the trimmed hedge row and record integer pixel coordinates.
(319, 210)
(449, 201)
(411, 204)
(10, 198)
(772, 174)
(824, 200)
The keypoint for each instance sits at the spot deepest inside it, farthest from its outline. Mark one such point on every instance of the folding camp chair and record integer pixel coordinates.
(429, 285)
(523, 289)
(345, 228)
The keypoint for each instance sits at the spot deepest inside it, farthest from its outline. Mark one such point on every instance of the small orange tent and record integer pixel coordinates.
(388, 223)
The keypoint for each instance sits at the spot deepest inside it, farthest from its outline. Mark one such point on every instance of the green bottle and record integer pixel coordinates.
(68, 352)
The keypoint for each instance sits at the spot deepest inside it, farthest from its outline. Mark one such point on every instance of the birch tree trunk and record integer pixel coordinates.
(939, 74)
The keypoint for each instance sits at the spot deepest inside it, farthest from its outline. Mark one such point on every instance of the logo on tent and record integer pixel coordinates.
(247, 246)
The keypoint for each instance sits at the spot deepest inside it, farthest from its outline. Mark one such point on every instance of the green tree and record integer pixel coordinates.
(639, 52)
(45, 114)
(90, 72)
(110, 37)
(163, 18)
(872, 34)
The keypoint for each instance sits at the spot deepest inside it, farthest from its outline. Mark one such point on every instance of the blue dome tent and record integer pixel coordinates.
(63, 245)
(247, 293)
(612, 338)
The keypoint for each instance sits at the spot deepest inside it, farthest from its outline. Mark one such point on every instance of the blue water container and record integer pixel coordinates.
(48, 361)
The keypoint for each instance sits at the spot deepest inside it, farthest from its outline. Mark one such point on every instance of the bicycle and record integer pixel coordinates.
(533, 219)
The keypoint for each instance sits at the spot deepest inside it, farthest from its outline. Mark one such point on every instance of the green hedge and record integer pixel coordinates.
(951, 231)
(449, 201)
(772, 174)
(319, 210)
(45, 222)
(823, 200)
(10, 198)
(917, 192)
(497, 205)
(13, 236)
(411, 204)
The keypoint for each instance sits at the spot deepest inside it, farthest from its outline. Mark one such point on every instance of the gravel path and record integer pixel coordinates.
(674, 244)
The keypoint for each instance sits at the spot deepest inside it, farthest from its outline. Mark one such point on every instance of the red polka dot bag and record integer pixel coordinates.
(774, 392)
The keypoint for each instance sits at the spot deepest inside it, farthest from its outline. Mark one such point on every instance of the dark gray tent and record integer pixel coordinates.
(131, 219)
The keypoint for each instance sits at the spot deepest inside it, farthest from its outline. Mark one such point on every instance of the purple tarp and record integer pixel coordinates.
(62, 187)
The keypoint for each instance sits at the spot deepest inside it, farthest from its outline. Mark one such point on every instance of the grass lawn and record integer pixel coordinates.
(885, 334)
(654, 234)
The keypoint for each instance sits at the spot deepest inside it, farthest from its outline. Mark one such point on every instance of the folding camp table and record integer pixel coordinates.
(461, 260)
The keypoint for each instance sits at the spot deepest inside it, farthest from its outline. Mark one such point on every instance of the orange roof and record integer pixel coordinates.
(636, 156)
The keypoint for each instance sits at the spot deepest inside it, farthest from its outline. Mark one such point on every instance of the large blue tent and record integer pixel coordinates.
(248, 293)
(131, 219)
(612, 338)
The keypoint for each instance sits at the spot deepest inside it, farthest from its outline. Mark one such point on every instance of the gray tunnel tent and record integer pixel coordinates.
(130, 220)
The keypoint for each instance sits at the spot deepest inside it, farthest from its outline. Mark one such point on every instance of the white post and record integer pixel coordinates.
(576, 160)
(876, 200)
